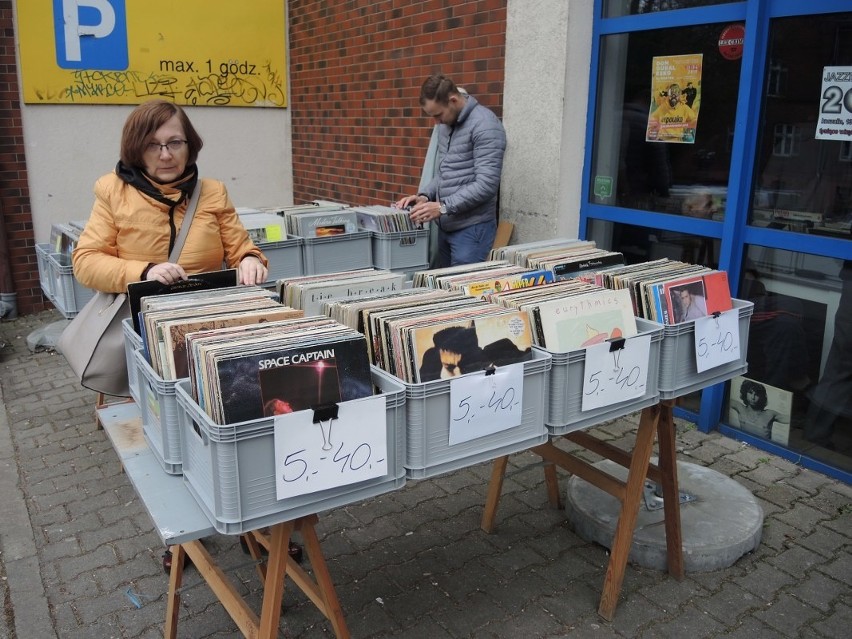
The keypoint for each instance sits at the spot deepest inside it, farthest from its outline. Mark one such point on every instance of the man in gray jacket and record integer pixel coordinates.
(462, 198)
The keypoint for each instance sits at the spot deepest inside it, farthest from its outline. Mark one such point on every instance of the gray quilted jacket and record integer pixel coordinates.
(469, 171)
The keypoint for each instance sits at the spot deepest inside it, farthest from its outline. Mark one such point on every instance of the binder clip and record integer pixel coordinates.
(616, 344)
(324, 412)
(716, 314)
(490, 370)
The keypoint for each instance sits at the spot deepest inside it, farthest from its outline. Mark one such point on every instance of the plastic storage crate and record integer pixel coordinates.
(428, 417)
(132, 343)
(44, 273)
(565, 413)
(285, 258)
(401, 249)
(344, 252)
(678, 368)
(69, 296)
(158, 406)
(230, 470)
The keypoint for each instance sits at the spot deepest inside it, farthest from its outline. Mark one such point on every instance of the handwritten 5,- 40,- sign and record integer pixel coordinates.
(485, 403)
(192, 52)
(717, 340)
(614, 375)
(333, 452)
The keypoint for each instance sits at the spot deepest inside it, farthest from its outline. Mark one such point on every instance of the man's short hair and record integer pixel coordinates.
(438, 88)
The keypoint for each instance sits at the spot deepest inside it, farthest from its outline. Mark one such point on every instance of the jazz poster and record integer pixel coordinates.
(834, 121)
(676, 98)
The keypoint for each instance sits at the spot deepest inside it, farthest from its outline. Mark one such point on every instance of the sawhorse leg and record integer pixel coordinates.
(655, 421)
(495, 488)
(280, 565)
(630, 498)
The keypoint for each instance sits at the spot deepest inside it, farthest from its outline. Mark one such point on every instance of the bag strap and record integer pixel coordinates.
(187, 222)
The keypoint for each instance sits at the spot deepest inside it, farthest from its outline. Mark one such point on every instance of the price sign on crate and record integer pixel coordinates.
(486, 403)
(335, 451)
(613, 375)
(717, 340)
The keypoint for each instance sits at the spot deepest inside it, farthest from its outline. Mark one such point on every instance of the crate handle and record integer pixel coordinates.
(411, 240)
(201, 436)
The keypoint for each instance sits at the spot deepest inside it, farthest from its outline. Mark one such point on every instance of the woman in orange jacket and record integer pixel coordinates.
(139, 209)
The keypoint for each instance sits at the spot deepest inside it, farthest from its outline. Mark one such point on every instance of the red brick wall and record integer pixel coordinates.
(356, 68)
(17, 228)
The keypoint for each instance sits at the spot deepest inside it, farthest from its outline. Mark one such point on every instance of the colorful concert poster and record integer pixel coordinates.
(676, 92)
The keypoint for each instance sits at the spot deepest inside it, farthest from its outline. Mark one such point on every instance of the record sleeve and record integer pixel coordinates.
(266, 383)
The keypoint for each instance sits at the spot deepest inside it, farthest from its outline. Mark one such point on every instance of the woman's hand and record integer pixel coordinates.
(252, 271)
(166, 273)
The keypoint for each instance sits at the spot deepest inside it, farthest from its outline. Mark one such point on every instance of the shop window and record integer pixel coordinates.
(797, 391)
(666, 110)
(802, 177)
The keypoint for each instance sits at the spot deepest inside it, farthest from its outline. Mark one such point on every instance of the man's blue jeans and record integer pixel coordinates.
(467, 245)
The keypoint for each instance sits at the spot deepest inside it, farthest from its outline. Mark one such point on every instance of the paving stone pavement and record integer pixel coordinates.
(79, 557)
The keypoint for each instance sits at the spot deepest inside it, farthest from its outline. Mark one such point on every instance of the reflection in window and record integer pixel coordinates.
(786, 140)
(776, 84)
(801, 183)
(798, 390)
(616, 8)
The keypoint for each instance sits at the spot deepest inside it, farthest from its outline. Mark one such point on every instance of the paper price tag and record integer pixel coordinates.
(717, 340)
(273, 233)
(483, 404)
(614, 376)
(334, 452)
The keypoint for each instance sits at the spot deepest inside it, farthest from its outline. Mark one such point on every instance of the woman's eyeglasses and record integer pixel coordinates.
(155, 148)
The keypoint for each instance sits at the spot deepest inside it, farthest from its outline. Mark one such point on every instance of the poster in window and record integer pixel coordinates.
(676, 92)
(835, 105)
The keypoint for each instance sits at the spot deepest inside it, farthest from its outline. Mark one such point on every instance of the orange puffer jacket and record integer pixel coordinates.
(128, 230)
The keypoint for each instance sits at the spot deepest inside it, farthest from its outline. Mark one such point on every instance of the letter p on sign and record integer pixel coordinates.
(90, 34)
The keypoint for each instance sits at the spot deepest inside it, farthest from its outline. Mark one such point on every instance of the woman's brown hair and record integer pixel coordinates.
(144, 121)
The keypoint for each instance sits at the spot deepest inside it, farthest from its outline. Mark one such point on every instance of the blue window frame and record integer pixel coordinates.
(731, 228)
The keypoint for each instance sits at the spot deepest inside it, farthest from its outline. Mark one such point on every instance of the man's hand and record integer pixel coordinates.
(425, 212)
(409, 200)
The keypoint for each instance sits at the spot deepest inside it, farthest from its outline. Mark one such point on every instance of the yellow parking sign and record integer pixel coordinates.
(194, 52)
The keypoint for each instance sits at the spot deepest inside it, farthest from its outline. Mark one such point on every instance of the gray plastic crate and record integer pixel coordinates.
(409, 273)
(565, 412)
(285, 258)
(159, 409)
(428, 417)
(401, 249)
(45, 277)
(231, 469)
(132, 343)
(336, 253)
(678, 368)
(69, 296)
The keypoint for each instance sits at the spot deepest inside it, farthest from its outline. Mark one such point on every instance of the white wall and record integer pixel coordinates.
(69, 147)
(548, 52)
